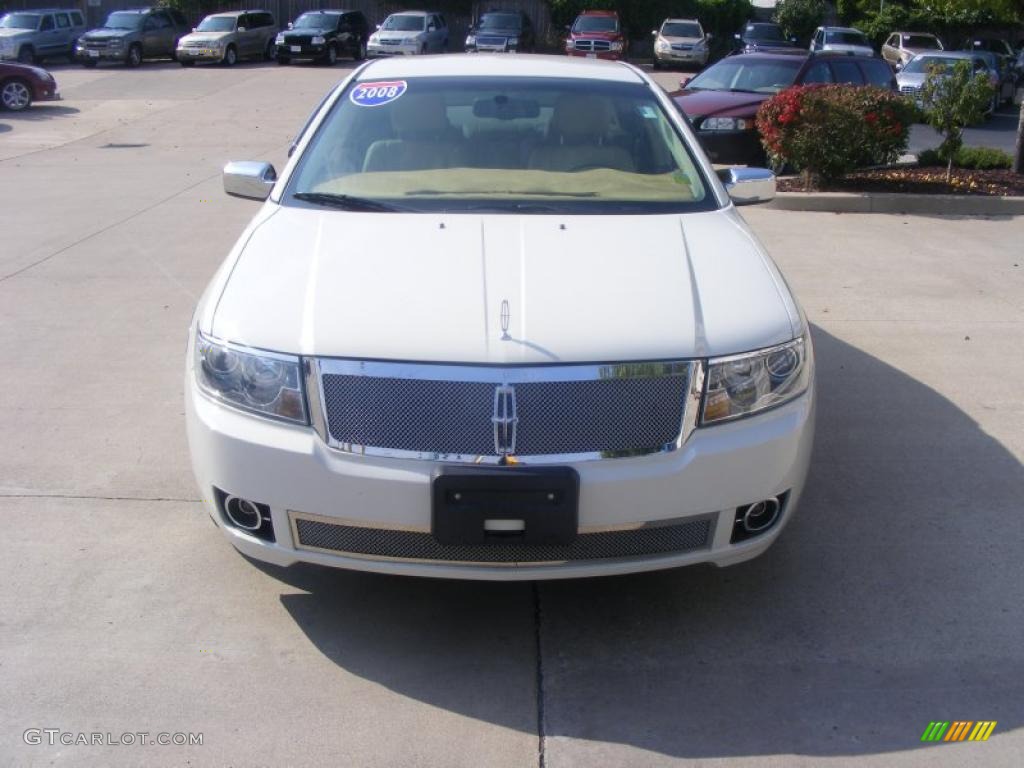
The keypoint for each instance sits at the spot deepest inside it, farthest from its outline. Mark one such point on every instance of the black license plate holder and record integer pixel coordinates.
(516, 505)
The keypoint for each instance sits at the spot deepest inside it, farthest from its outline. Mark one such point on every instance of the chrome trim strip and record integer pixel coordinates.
(508, 375)
(294, 517)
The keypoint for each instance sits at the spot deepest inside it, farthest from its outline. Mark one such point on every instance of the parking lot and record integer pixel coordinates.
(892, 600)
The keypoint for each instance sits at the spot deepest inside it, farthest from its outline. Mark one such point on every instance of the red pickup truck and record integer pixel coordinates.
(597, 35)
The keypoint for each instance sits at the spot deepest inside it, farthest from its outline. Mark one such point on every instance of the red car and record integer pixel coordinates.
(596, 35)
(21, 84)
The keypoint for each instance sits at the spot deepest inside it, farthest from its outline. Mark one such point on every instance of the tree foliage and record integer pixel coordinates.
(952, 101)
(799, 18)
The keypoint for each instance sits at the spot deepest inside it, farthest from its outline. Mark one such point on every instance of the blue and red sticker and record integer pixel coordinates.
(378, 94)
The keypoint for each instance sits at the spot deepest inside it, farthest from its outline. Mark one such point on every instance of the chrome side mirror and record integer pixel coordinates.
(245, 178)
(747, 186)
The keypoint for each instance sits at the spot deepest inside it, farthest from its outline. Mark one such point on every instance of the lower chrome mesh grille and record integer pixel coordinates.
(413, 545)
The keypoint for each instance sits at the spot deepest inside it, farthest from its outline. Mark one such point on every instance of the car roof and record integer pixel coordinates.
(688, 21)
(772, 55)
(497, 65)
(414, 13)
(599, 13)
(841, 29)
(68, 10)
(923, 34)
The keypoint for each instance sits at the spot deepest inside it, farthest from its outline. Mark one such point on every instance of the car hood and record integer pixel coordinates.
(849, 48)
(106, 34)
(502, 32)
(595, 35)
(586, 289)
(7, 34)
(708, 103)
(684, 40)
(394, 35)
(910, 79)
(203, 37)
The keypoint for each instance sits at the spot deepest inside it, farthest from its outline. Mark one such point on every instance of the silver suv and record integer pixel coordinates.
(409, 33)
(31, 36)
(228, 37)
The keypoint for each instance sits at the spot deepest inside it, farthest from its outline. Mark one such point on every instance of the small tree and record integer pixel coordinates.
(954, 99)
(1018, 156)
(799, 18)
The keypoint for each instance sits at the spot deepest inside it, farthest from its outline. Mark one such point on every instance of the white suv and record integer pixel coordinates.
(498, 318)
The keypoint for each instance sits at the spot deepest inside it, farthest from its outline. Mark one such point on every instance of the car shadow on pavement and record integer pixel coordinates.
(41, 111)
(891, 600)
(4, 127)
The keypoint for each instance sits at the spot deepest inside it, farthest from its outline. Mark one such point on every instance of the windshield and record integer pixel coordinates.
(19, 21)
(763, 32)
(499, 21)
(924, 42)
(596, 24)
(216, 24)
(505, 145)
(681, 29)
(405, 23)
(748, 74)
(313, 21)
(837, 37)
(123, 21)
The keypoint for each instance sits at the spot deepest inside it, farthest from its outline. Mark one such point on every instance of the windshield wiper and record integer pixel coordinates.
(347, 202)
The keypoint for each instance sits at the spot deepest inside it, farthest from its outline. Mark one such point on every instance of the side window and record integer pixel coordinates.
(877, 73)
(76, 19)
(246, 20)
(47, 23)
(62, 20)
(819, 37)
(847, 72)
(440, 21)
(818, 72)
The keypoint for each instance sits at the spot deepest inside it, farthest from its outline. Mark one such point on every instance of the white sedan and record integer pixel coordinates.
(498, 318)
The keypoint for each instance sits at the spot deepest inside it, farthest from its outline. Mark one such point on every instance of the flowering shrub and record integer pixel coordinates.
(825, 131)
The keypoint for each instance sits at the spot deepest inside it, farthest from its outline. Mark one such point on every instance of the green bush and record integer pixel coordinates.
(826, 131)
(953, 100)
(973, 158)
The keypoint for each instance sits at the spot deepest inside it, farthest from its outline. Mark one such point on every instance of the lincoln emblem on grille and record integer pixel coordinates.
(506, 317)
(505, 420)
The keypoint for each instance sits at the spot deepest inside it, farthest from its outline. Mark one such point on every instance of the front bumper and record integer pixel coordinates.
(682, 57)
(101, 54)
(604, 55)
(304, 51)
(291, 470)
(200, 54)
(379, 50)
(732, 147)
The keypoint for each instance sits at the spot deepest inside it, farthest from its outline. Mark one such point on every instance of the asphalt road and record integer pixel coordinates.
(892, 600)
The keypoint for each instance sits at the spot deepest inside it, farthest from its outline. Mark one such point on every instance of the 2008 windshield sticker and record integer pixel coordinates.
(377, 94)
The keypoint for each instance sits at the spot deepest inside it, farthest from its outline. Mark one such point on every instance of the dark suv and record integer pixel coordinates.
(722, 101)
(324, 36)
(133, 35)
(502, 32)
(762, 36)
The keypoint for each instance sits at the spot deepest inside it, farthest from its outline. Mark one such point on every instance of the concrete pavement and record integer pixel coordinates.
(892, 599)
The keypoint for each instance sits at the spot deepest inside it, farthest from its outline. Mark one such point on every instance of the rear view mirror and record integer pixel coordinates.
(747, 186)
(241, 29)
(290, 25)
(504, 108)
(253, 180)
(654, 31)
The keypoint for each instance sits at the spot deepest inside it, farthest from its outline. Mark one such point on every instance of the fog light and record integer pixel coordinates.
(755, 519)
(245, 515)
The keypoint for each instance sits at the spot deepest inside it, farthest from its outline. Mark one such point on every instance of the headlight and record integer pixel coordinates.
(663, 45)
(470, 40)
(318, 40)
(745, 384)
(727, 124)
(279, 40)
(512, 41)
(616, 46)
(374, 39)
(265, 383)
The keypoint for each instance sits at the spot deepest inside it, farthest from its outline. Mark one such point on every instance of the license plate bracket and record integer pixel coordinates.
(516, 505)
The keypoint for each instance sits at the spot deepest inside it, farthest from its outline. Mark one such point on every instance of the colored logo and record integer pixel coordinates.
(378, 94)
(958, 730)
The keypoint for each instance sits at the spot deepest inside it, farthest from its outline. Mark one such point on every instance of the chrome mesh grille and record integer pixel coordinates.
(607, 416)
(412, 545)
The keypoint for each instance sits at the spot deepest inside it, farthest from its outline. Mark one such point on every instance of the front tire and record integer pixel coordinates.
(15, 95)
(230, 57)
(331, 57)
(360, 51)
(134, 56)
(27, 55)
(271, 51)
